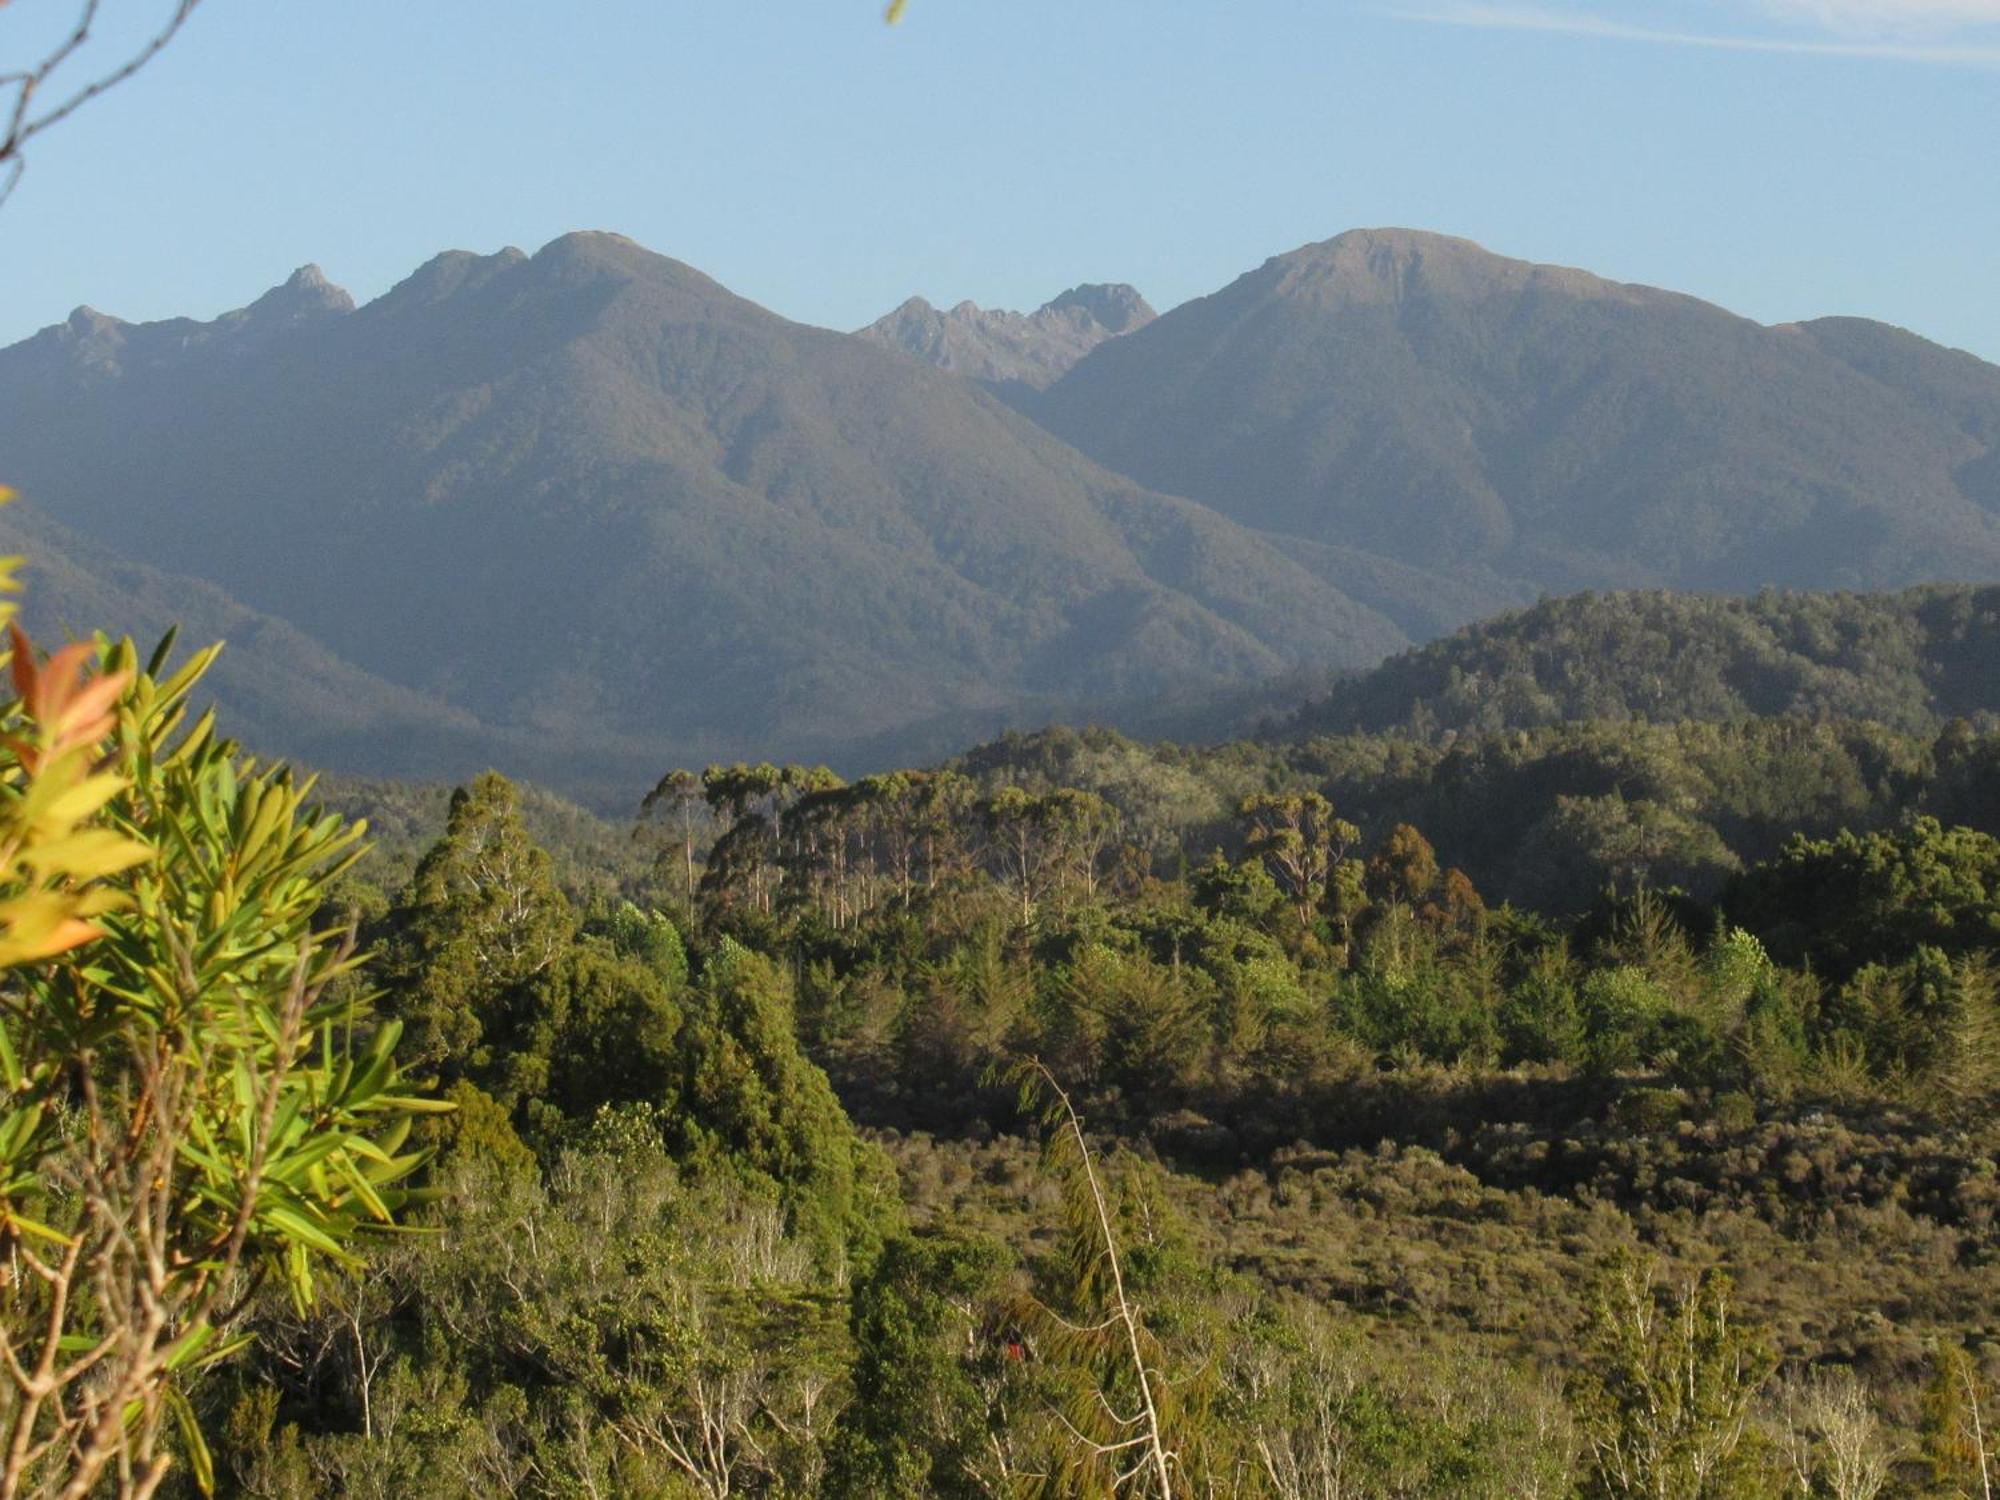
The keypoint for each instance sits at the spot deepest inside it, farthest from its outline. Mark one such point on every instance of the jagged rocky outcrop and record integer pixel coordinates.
(1011, 349)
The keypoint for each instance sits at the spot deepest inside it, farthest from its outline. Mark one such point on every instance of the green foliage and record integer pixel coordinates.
(652, 939)
(1626, 1016)
(1300, 840)
(929, 1363)
(1117, 1330)
(593, 857)
(1126, 1023)
(1589, 844)
(1546, 817)
(1664, 1397)
(479, 1130)
(1541, 1019)
(1960, 1454)
(192, 1097)
(1246, 893)
(1049, 842)
(1859, 898)
(611, 1034)
(1407, 995)
(613, 1322)
(1336, 1413)
(480, 922)
(751, 1099)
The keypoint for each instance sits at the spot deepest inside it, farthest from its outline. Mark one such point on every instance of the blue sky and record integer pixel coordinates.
(1786, 158)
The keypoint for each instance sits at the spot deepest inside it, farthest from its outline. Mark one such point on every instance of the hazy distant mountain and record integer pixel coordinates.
(1009, 350)
(1416, 397)
(283, 693)
(589, 499)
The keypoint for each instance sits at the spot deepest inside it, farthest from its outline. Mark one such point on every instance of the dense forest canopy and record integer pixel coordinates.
(1912, 661)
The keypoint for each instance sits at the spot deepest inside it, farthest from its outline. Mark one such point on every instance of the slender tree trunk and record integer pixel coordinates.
(1978, 1428)
(1156, 1447)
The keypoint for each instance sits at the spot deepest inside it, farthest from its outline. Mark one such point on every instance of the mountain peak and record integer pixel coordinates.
(586, 256)
(585, 251)
(1363, 266)
(1418, 396)
(590, 243)
(738, 535)
(449, 272)
(1113, 305)
(1404, 240)
(1357, 249)
(86, 320)
(306, 293)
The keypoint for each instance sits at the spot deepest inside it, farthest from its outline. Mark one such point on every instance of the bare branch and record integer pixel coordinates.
(29, 116)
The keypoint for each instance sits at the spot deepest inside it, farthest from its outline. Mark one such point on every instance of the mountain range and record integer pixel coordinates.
(590, 498)
(585, 514)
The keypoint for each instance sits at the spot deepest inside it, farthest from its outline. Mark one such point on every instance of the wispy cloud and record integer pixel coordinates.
(1965, 33)
(1887, 15)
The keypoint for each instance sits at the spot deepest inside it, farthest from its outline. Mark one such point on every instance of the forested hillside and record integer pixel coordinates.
(1369, 1115)
(283, 692)
(1550, 817)
(1912, 661)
